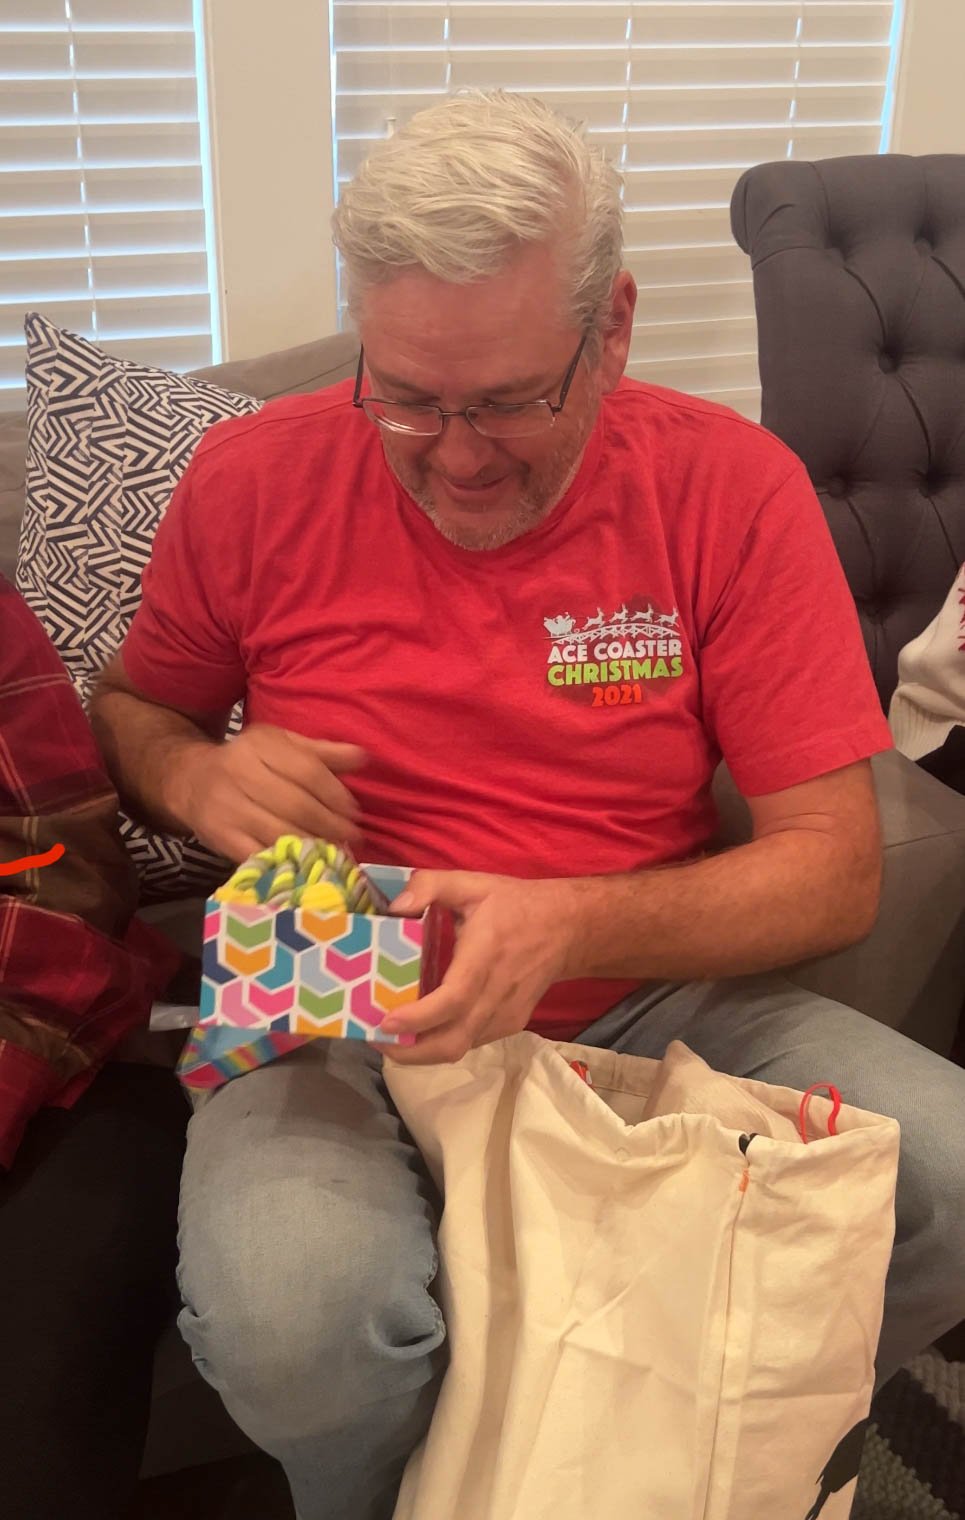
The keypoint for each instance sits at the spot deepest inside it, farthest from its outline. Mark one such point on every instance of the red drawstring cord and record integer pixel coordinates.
(835, 1108)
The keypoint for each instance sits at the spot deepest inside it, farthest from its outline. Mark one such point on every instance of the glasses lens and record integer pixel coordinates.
(512, 421)
(402, 417)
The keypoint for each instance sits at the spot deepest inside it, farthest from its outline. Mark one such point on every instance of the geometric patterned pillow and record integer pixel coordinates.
(107, 441)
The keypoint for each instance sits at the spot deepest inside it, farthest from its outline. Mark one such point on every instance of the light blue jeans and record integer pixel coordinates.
(308, 1224)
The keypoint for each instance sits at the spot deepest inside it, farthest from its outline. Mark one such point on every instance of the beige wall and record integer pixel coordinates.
(930, 98)
(270, 106)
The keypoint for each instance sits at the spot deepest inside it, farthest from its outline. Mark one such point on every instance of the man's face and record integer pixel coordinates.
(502, 339)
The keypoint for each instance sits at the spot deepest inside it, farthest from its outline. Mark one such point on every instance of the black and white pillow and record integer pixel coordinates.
(107, 441)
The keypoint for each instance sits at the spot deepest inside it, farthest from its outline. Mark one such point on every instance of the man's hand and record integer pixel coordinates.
(237, 797)
(511, 945)
(805, 885)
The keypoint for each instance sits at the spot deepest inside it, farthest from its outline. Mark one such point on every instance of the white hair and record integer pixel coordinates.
(468, 182)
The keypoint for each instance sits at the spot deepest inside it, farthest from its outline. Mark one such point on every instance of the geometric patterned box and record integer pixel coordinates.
(272, 979)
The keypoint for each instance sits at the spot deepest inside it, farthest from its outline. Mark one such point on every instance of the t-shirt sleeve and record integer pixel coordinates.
(786, 686)
(183, 648)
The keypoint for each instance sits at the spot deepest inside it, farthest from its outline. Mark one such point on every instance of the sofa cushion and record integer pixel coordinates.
(107, 440)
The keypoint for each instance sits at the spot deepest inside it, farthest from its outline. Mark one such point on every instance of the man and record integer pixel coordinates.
(497, 614)
(90, 1154)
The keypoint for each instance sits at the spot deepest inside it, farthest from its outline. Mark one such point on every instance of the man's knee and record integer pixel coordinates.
(302, 1333)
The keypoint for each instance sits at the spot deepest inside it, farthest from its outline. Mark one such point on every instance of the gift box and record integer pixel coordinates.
(275, 978)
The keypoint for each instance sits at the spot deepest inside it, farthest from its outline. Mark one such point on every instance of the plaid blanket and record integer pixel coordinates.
(76, 973)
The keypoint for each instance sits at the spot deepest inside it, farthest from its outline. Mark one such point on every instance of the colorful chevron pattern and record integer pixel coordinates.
(274, 979)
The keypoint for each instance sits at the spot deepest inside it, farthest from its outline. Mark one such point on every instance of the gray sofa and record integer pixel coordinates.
(909, 974)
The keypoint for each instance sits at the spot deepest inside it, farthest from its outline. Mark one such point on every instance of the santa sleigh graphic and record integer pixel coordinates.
(622, 621)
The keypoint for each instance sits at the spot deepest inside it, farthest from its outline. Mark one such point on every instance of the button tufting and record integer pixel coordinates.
(924, 246)
(887, 363)
(837, 487)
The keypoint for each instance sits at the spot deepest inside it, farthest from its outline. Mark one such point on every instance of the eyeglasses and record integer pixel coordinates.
(493, 419)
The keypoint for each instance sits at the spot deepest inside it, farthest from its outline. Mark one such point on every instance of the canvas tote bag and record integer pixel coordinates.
(651, 1315)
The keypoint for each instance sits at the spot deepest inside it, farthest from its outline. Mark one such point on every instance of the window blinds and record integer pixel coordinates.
(684, 94)
(102, 217)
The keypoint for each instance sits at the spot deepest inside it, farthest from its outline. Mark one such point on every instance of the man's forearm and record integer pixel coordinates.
(145, 746)
(780, 899)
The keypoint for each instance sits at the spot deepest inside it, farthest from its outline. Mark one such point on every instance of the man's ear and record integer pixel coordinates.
(618, 332)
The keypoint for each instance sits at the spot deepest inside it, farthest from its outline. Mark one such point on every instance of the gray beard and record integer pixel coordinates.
(526, 516)
(529, 512)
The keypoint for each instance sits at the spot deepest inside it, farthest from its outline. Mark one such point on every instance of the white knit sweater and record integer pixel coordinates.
(930, 698)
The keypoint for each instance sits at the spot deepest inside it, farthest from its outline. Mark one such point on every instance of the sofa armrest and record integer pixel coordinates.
(910, 971)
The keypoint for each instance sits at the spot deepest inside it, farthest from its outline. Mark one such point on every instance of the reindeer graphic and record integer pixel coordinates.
(559, 627)
(669, 619)
(620, 616)
(593, 622)
(643, 617)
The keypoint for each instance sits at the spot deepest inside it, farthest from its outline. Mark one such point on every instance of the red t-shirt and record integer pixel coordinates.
(555, 707)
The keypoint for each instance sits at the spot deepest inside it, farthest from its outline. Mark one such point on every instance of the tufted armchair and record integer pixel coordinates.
(859, 281)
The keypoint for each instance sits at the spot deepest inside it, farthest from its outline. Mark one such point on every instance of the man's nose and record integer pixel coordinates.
(460, 452)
